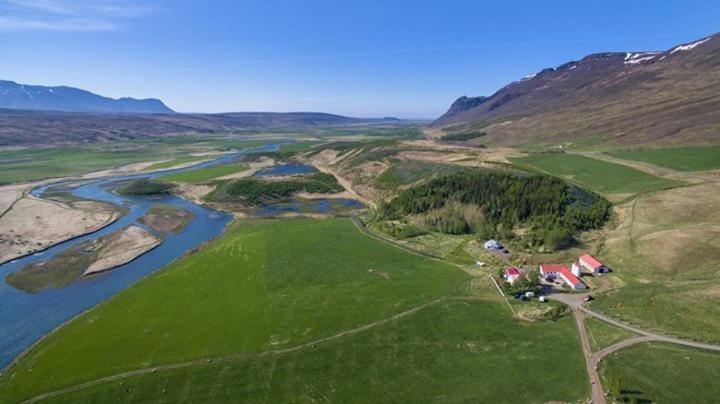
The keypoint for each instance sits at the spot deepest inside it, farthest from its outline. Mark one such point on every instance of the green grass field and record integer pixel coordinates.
(264, 285)
(597, 175)
(663, 373)
(267, 286)
(602, 334)
(681, 158)
(32, 164)
(457, 351)
(204, 174)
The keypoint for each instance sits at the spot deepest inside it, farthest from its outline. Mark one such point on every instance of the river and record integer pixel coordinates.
(25, 318)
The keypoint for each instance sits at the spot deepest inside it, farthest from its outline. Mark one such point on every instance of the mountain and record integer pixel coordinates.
(69, 99)
(30, 128)
(671, 97)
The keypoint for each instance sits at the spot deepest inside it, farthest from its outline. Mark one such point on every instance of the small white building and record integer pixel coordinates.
(575, 269)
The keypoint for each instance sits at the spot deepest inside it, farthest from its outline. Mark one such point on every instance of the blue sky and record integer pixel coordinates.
(363, 58)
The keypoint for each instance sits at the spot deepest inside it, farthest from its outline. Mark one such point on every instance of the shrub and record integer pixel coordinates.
(145, 187)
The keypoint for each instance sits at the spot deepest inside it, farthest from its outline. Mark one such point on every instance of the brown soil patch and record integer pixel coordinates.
(194, 193)
(34, 224)
(122, 247)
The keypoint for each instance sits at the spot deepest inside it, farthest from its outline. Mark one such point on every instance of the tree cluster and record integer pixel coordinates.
(551, 211)
(145, 187)
(255, 191)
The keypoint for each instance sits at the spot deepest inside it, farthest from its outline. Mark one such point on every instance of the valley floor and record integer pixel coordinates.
(333, 322)
(316, 310)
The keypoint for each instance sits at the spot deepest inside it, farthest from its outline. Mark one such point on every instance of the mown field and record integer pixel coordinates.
(598, 175)
(681, 158)
(264, 285)
(459, 351)
(666, 249)
(663, 373)
(271, 285)
(204, 174)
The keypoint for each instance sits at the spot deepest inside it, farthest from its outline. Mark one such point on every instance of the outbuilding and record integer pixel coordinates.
(511, 274)
(590, 263)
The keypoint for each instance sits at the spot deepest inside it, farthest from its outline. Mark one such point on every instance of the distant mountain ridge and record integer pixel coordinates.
(668, 96)
(30, 128)
(70, 99)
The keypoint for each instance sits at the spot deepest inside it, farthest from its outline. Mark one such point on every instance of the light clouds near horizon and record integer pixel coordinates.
(68, 16)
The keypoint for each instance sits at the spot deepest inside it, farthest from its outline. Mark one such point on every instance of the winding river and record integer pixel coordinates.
(25, 318)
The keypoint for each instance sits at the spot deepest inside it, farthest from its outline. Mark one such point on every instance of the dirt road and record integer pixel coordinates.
(597, 394)
(575, 302)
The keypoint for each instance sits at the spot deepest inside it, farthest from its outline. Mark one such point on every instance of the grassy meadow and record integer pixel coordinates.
(264, 285)
(456, 351)
(680, 159)
(37, 163)
(664, 373)
(602, 334)
(666, 249)
(598, 175)
(33, 164)
(204, 174)
(268, 292)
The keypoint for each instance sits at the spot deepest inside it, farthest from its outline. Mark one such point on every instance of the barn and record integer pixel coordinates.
(590, 263)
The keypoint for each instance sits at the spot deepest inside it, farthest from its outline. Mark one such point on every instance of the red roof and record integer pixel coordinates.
(590, 260)
(563, 271)
(512, 271)
(552, 268)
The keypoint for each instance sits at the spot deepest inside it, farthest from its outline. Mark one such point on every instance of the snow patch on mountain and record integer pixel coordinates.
(636, 58)
(689, 46)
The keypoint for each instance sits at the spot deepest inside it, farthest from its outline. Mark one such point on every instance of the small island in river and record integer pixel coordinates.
(85, 259)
